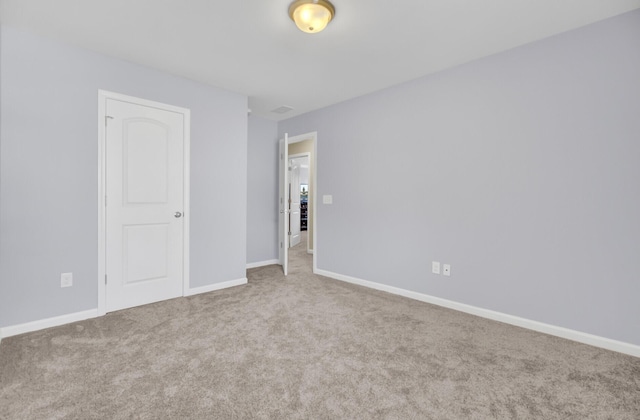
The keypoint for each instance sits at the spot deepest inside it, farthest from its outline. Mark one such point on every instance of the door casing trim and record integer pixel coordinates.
(103, 95)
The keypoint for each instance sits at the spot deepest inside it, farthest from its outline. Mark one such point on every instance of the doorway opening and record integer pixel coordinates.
(298, 197)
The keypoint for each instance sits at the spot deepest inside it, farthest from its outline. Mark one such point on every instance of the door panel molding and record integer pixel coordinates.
(103, 96)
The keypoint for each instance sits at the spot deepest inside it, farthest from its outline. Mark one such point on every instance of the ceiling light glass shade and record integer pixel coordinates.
(311, 16)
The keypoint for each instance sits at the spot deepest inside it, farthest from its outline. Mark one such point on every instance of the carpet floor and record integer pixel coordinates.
(307, 347)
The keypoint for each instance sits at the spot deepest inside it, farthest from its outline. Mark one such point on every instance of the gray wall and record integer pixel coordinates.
(521, 170)
(49, 173)
(262, 191)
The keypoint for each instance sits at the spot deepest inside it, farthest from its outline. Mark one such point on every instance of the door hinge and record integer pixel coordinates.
(280, 244)
(105, 201)
(106, 118)
(289, 233)
(105, 279)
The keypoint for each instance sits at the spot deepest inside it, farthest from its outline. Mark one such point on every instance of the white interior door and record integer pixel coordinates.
(144, 204)
(284, 203)
(294, 202)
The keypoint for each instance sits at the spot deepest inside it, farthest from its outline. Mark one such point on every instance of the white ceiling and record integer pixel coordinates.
(251, 46)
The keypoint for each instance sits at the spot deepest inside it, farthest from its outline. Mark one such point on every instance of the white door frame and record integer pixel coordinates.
(314, 158)
(308, 156)
(103, 95)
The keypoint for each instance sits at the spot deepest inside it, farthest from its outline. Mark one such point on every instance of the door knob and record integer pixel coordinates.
(177, 215)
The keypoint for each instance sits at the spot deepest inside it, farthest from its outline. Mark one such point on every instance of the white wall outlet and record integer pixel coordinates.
(327, 199)
(446, 269)
(435, 267)
(66, 279)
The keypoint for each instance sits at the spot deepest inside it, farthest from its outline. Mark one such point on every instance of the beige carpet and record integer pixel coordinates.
(307, 347)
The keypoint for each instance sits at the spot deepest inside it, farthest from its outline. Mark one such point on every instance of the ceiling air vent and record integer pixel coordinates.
(282, 110)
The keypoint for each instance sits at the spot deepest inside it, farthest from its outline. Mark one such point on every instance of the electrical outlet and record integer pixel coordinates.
(446, 269)
(435, 267)
(66, 279)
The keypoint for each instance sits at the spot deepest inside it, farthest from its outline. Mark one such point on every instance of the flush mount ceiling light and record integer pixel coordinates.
(311, 16)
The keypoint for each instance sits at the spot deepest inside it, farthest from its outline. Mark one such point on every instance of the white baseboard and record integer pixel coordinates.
(310, 251)
(93, 313)
(262, 263)
(581, 337)
(47, 323)
(215, 286)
